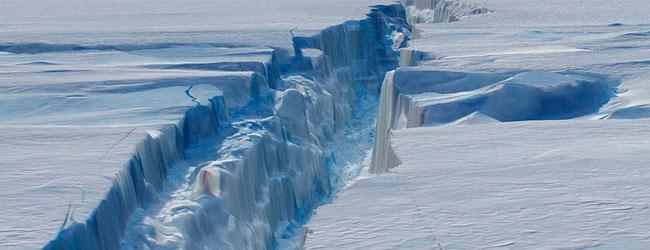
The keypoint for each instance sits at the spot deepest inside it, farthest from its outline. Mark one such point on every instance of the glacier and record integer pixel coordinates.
(522, 125)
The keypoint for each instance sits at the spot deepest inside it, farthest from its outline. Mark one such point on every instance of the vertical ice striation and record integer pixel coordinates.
(383, 156)
(246, 170)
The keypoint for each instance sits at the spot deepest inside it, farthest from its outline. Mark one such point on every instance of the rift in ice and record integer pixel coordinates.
(283, 124)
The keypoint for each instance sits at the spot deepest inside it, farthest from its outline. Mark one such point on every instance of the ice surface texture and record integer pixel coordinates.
(146, 22)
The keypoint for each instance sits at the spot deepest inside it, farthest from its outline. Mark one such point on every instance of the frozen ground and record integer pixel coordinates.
(537, 113)
(111, 109)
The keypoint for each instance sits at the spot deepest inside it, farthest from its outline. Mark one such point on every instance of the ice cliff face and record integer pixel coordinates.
(245, 169)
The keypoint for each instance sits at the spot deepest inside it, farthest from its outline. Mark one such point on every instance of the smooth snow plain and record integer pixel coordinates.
(111, 112)
(524, 127)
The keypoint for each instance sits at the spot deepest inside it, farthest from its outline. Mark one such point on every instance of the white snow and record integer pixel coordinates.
(253, 22)
(520, 185)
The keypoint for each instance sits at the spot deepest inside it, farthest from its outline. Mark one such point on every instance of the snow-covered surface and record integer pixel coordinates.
(113, 108)
(40, 179)
(486, 176)
(256, 22)
(520, 185)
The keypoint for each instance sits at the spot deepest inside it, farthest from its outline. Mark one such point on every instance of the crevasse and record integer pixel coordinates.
(246, 174)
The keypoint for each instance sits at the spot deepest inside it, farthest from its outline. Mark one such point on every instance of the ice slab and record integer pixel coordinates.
(500, 185)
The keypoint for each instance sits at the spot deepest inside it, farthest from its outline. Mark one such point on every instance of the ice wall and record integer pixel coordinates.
(274, 159)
